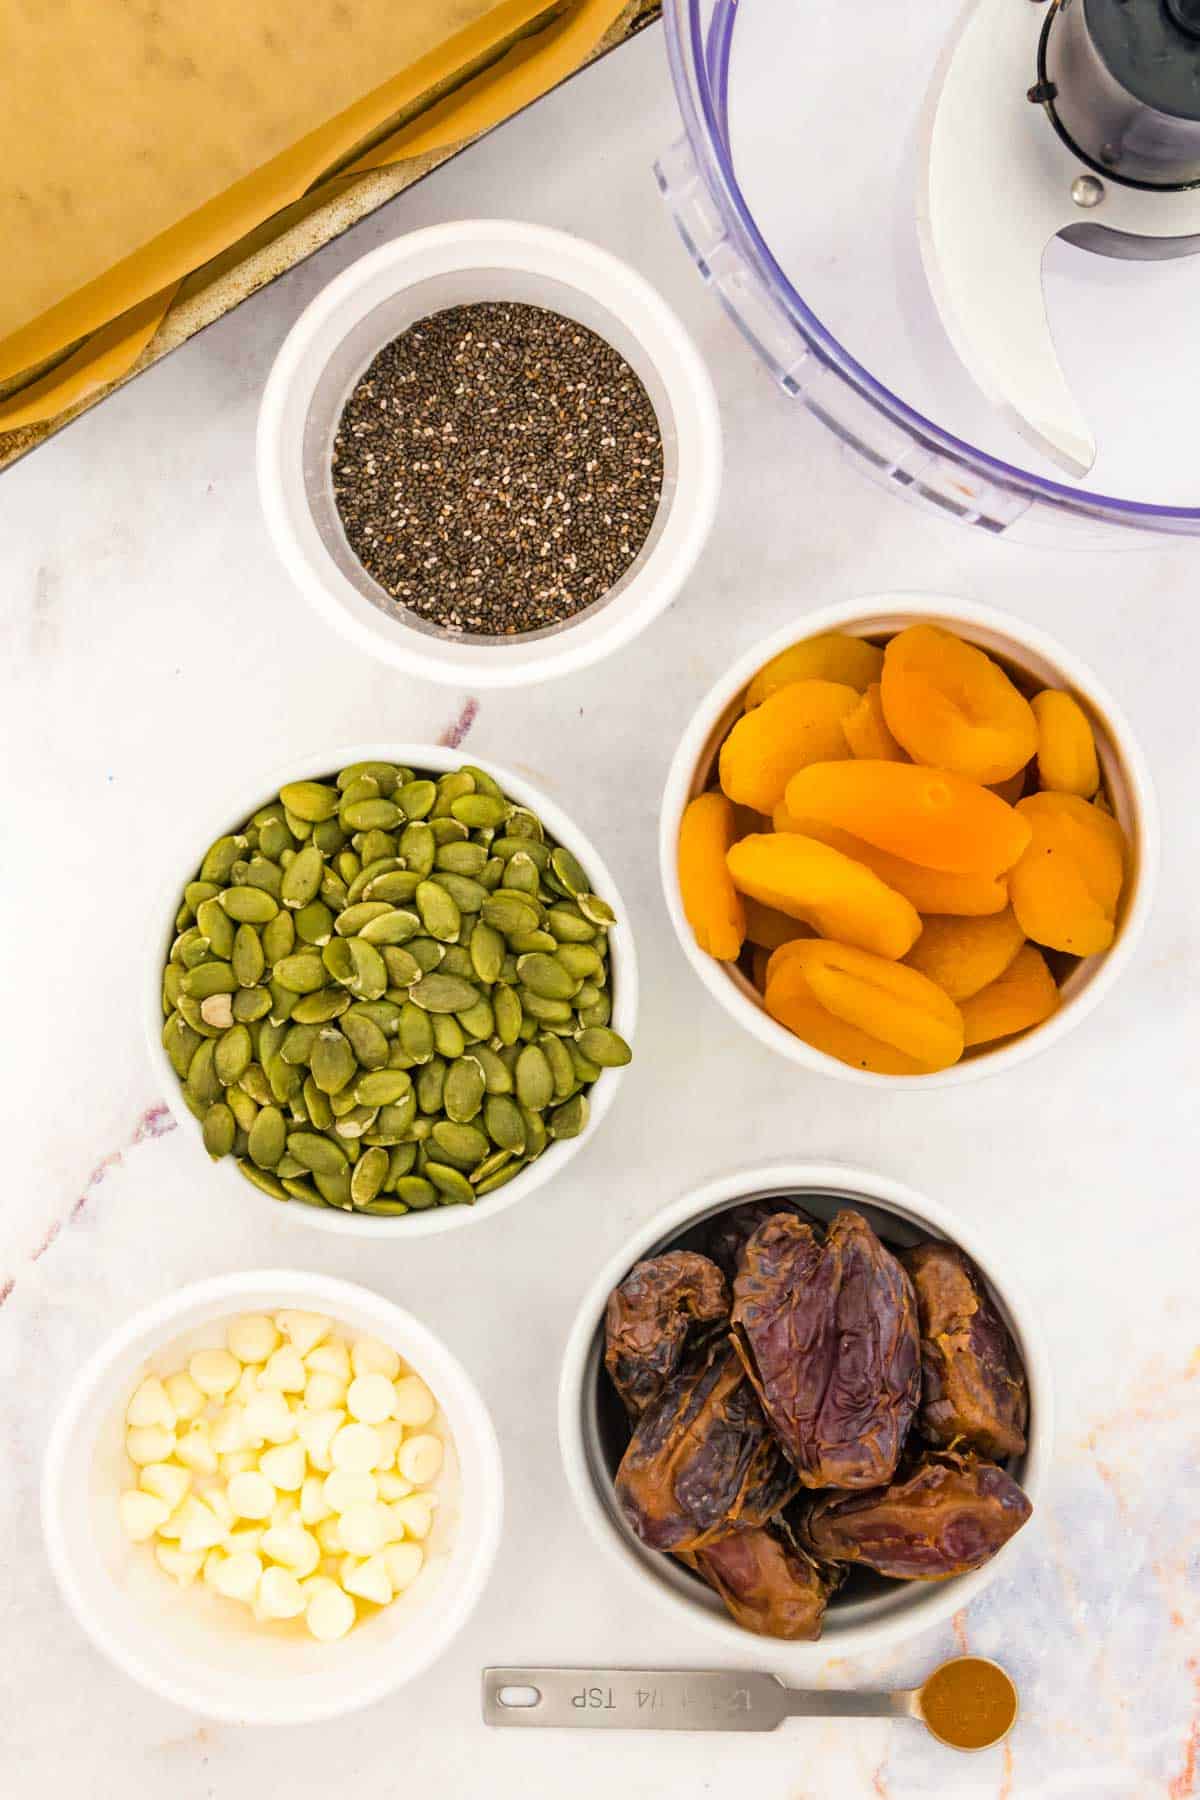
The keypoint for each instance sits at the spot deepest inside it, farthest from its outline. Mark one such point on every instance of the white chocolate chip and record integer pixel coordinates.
(403, 1562)
(369, 1399)
(415, 1514)
(329, 1358)
(284, 1466)
(329, 1614)
(181, 1565)
(237, 1576)
(369, 1357)
(151, 1405)
(345, 1488)
(166, 1480)
(328, 1535)
(324, 1391)
(251, 1495)
(316, 1432)
(201, 1528)
(214, 1372)
(364, 1528)
(149, 1444)
(284, 1371)
(368, 1579)
(141, 1514)
(268, 1419)
(391, 1436)
(392, 1486)
(313, 1505)
(355, 1447)
(419, 1458)
(303, 1330)
(292, 1546)
(413, 1404)
(185, 1397)
(279, 1595)
(252, 1338)
(195, 1450)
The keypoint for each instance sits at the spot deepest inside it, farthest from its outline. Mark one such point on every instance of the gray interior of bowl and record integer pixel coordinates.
(863, 1598)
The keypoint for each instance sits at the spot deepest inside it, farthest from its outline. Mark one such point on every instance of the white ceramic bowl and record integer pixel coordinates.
(187, 852)
(1126, 777)
(193, 1647)
(371, 303)
(591, 1427)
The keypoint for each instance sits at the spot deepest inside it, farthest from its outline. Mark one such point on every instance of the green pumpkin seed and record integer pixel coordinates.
(566, 868)
(220, 857)
(383, 774)
(242, 1107)
(335, 1189)
(466, 894)
(416, 1033)
(313, 924)
(342, 1102)
(196, 892)
(461, 1145)
(172, 985)
(546, 976)
(510, 913)
(499, 1159)
(561, 1066)
(497, 1078)
(521, 874)
(301, 829)
(499, 1179)
(439, 914)
(203, 1085)
(525, 824)
(209, 978)
(274, 837)
(310, 801)
(217, 926)
(448, 1037)
(545, 1012)
(504, 1122)
(348, 867)
(448, 831)
(370, 815)
(233, 1055)
(297, 1045)
(393, 1121)
(533, 943)
(430, 1083)
(302, 878)
(285, 1079)
(369, 980)
(534, 1079)
(368, 1177)
(376, 847)
(329, 837)
(316, 1105)
(451, 1183)
(332, 1062)
(388, 925)
(415, 798)
(319, 1008)
(581, 961)
(337, 959)
(426, 953)
(463, 1093)
(401, 1159)
(508, 847)
(352, 920)
(536, 1135)
(382, 1087)
(246, 954)
(303, 1191)
(458, 858)
(416, 1192)
(456, 960)
(254, 1083)
(333, 890)
(598, 1014)
(442, 993)
(249, 905)
(180, 1043)
(569, 1119)
(478, 1021)
(479, 810)
(367, 1040)
(396, 886)
(259, 873)
(507, 1010)
(605, 1047)
(487, 951)
(278, 938)
(596, 910)
(568, 926)
(301, 973)
(402, 969)
(262, 1179)
(320, 1154)
(452, 787)
(267, 1138)
(362, 787)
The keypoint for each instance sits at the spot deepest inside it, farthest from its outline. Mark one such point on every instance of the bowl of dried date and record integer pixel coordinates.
(914, 840)
(803, 1404)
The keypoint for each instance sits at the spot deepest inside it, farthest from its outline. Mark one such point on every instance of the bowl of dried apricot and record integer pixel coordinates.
(914, 839)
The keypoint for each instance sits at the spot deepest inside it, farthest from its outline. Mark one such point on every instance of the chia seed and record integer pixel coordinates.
(497, 468)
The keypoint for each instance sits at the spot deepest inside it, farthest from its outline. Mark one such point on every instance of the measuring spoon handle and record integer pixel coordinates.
(664, 1700)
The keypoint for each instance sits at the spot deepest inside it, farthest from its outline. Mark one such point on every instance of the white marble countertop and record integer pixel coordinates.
(153, 652)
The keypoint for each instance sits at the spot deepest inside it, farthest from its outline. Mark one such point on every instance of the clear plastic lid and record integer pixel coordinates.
(795, 190)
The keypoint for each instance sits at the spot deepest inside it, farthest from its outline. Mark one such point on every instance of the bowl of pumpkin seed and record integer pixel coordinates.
(396, 994)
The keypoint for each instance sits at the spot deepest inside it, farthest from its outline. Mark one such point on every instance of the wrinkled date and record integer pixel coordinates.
(827, 1331)
(702, 1461)
(973, 1385)
(945, 1515)
(769, 1584)
(731, 1231)
(649, 1318)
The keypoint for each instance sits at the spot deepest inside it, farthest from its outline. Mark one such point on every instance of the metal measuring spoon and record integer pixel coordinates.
(968, 1703)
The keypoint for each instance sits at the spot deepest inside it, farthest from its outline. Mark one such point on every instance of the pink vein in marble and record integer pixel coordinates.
(455, 732)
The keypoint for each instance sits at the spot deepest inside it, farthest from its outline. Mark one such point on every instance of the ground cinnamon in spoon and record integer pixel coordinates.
(969, 1703)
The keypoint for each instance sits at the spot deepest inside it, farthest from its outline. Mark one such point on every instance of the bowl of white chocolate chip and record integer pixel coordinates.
(272, 1497)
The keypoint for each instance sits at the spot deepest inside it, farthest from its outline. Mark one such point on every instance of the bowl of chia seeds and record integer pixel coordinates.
(489, 453)
(389, 990)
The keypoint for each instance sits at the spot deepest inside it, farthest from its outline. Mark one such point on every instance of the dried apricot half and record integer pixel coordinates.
(1066, 752)
(1022, 996)
(867, 731)
(1066, 886)
(928, 816)
(863, 1010)
(710, 900)
(929, 890)
(797, 724)
(952, 707)
(830, 656)
(838, 897)
(964, 955)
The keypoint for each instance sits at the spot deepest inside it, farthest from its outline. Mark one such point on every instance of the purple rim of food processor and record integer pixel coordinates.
(699, 62)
